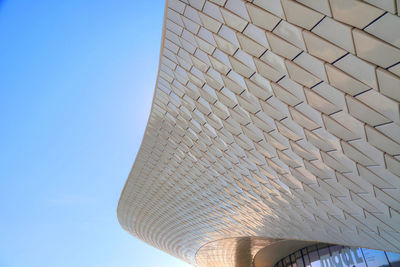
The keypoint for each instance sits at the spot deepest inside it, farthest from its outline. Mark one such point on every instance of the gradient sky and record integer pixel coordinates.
(76, 79)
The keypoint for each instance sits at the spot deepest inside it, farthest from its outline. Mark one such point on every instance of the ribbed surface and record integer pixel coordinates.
(235, 252)
(275, 119)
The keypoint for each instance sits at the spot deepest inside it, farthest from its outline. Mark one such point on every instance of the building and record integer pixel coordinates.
(275, 126)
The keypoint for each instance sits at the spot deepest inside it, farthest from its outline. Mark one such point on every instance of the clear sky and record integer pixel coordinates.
(76, 79)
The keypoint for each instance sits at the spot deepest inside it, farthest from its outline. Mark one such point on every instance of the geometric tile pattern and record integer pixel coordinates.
(276, 119)
(235, 252)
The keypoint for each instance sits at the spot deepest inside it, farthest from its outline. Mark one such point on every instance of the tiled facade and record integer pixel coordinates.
(274, 119)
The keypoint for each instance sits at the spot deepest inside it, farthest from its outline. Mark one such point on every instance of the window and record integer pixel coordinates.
(339, 256)
(394, 259)
(375, 258)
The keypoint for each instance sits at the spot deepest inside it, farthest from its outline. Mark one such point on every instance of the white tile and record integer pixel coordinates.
(169, 35)
(208, 94)
(227, 97)
(311, 64)
(350, 123)
(319, 103)
(354, 13)
(311, 113)
(229, 35)
(338, 161)
(300, 75)
(287, 133)
(245, 58)
(183, 63)
(263, 121)
(262, 82)
(171, 46)
(271, 111)
(202, 56)
(332, 94)
(219, 66)
(210, 23)
(203, 45)
(199, 75)
(192, 14)
(275, 61)
(322, 49)
(364, 113)
(237, 7)
(236, 78)
(203, 106)
(305, 149)
(386, 28)
(259, 91)
(388, 5)
(214, 79)
(294, 127)
(389, 84)
(303, 120)
(391, 130)
(384, 105)
(282, 47)
(241, 68)
(173, 27)
(392, 164)
(344, 82)
(219, 2)
(374, 50)
(336, 33)
(338, 130)
(176, 5)
(273, 6)
(233, 20)
(250, 46)
(293, 87)
(300, 15)
(356, 155)
(290, 33)
(224, 45)
(257, 34)
(213, 11)
(262, 18)
(367, 149)
(267, 71)
(278, 106)
(168, 62)
(188, 36)
(284, 95)
(321, 6)
(206, 35)
(359, 69)
(174, 16)
(382, 142)
(187, 46)
(395, 69)
(220, 110)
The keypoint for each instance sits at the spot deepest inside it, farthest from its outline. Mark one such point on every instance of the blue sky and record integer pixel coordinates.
(77, 78)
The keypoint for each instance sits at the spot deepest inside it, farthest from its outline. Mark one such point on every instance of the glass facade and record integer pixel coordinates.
(339, 256)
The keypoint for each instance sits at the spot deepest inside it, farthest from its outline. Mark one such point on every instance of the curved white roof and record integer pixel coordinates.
(271, 120)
